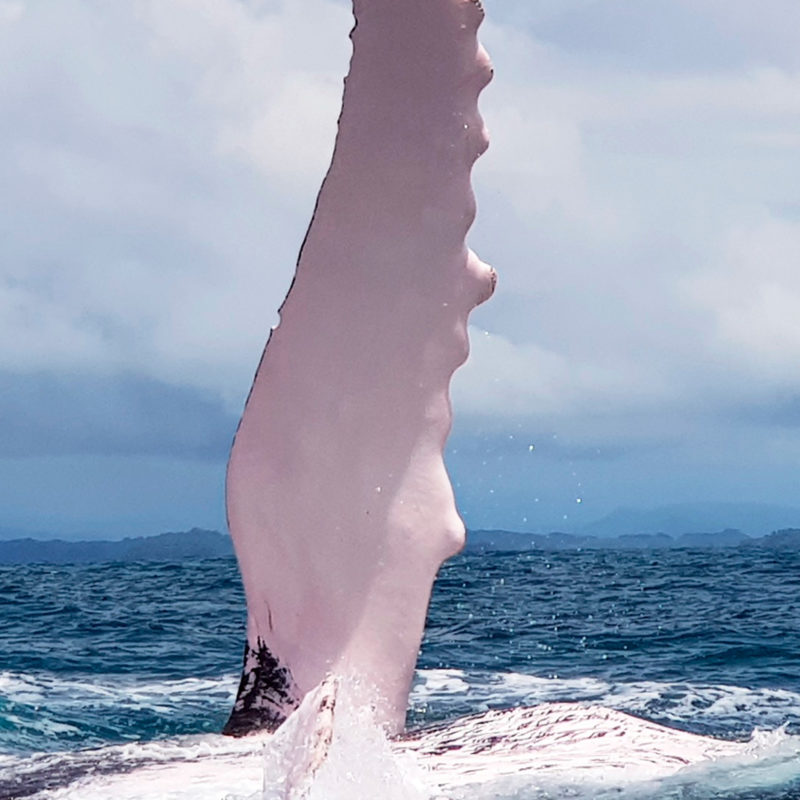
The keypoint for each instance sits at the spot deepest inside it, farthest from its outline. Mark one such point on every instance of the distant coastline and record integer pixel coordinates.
(509, 541)
(174, 546)
(199, 543)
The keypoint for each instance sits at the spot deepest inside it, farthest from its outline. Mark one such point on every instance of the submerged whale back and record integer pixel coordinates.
(339, 504)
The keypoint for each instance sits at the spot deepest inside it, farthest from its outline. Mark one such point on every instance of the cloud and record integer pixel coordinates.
(270, 82)
(751, 294)
(10, 12)
(676, 36)
(624, 209)
(141, 237)
(108, 496)
(528, 381)
(48, 414)
(161, 162)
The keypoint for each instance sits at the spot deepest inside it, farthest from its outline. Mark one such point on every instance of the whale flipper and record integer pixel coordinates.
(339, 504)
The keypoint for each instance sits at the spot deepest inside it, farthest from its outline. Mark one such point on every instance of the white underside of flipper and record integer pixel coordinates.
(339, 504)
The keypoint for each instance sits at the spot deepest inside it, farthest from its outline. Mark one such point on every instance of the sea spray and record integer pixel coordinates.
(331, 748)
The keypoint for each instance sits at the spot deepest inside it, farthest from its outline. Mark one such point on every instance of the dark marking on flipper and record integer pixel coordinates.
(267, 693)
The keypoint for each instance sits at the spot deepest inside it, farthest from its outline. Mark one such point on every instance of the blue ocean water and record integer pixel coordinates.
(707, 641)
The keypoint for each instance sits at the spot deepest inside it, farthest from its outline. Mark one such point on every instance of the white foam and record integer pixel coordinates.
(734, 708)
(117, 690)
(447, 692)
(364, 765)
(361, 762)
(557, 750)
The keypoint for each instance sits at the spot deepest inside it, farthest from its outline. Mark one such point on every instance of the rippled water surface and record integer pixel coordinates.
(707, 641)
(715, 617)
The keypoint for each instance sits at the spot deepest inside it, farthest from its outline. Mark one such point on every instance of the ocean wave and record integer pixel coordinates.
(47, 712)
(35, 689)
(718, 709)
(568, 757)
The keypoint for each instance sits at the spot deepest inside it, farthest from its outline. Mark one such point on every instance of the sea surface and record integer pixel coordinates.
(706, 641)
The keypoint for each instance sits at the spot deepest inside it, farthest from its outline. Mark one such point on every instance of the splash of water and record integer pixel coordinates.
(340, 753)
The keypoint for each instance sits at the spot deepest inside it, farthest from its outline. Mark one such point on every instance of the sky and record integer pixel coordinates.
(159, 161)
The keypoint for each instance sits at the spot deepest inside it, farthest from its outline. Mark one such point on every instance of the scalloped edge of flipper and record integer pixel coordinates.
(462, 283)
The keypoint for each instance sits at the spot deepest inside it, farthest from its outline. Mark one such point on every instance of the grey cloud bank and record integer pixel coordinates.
(639, 202)
(51, 414)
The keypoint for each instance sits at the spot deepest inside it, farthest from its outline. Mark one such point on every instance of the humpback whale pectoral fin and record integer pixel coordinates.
(339, 504)
(267, 693)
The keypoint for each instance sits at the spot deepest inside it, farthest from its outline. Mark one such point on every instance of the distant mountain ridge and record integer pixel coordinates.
(753, 519)
(512, 541)
(174, 546)
(198, 543)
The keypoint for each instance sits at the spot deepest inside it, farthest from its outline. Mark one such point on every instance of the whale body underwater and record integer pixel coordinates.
(339, 503)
